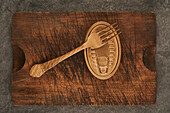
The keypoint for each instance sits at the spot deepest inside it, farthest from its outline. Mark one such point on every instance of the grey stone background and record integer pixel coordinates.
(160, 7)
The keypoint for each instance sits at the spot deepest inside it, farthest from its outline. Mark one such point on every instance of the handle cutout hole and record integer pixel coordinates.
(149, 58)
(18, 58)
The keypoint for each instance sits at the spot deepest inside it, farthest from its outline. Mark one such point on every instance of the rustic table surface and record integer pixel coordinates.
(160, 7)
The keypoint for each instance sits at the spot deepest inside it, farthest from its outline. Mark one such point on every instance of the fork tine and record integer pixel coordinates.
(105, 37)
(106, 27)
(106, 40)
(107, 31)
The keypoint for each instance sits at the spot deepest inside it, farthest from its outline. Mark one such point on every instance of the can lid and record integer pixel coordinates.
(103, 62)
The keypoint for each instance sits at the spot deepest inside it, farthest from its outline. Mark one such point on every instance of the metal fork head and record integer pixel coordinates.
(102, 36)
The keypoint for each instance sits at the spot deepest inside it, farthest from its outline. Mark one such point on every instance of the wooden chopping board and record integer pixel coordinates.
(41, 36)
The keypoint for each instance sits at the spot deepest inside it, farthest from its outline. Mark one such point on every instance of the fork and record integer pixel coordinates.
(95, 40)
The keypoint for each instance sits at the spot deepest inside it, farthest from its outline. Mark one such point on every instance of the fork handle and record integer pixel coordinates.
(38, 69)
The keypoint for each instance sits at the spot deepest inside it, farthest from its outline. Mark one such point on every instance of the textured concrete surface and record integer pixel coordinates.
(160, 7)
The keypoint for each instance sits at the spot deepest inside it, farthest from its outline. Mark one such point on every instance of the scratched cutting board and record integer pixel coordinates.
(38, 37)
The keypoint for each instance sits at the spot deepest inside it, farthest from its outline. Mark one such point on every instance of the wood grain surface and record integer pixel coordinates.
(38, 37)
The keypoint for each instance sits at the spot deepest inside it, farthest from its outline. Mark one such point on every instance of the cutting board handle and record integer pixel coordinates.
(18, 58)
(149, 58)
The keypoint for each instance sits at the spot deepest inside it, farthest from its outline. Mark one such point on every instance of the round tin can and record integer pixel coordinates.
(103, 62)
